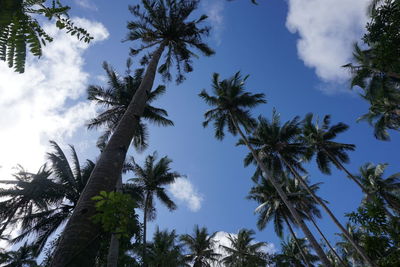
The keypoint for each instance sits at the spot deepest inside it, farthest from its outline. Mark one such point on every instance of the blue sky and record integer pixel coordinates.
(293, 52)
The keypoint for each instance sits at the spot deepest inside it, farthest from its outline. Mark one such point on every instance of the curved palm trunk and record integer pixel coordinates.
(327, 242)
(113, 250)
(297, 242)
(359, 250)
(295, 214)
(351, 176)
(80, 229)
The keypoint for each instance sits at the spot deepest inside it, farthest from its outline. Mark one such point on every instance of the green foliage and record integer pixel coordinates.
(115, 212)
(20, 30)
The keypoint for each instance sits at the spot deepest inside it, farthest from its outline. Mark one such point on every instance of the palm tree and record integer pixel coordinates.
(230, 110)
(272, 208)
(243, 251)
(114, 100)
(164, 251)
(164, 24)
(290, 253)
(151, 179)
(387, 189)
(201, 246)
(280, 147)
(44, 201)
(24, 256)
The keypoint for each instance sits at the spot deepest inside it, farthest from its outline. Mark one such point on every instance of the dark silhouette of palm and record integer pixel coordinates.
(151, 179)
(43, 201)
(280, 147)
(115, 99)
(24, 256)
(201, 247)
(164, 250)
(388, 189)
(163, 24)
(231, 109)
(230, 102)
(289, 255)
(244, 251)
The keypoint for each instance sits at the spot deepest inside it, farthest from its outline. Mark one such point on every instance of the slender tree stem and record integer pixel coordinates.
(297, 242)
(113, 250)
(326, 241)
(360, 251)
(295, 214)
(80, 228)
(146, 204)
(352, 177)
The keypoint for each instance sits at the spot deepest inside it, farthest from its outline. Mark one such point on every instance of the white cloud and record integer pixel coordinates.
(88, 4)
(327, 30)
(184, 190)
(43, 103)
(214, 9)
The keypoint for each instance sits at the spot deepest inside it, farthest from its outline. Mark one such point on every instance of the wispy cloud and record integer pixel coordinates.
(327, 30)
(184, 191)
(43, 103)
(214, 10)
(88, 4)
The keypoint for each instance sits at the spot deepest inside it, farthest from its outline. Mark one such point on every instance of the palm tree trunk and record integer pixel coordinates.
(80, 229)
(360, 251)
(145, 229)
(297, 242)
(295, 214)
(326, 241)
(351, 176)
(113, 250)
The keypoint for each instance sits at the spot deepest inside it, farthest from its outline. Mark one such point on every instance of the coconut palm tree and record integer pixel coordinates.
(44, 201)
(290, 254)
(164, 250)
(163, 24)
(24, 256)
(152, 179)
(243, 251)
(388, 189)
(272, 208)
(114, 101)
(201, 246)
(281, 148)
(231, 109)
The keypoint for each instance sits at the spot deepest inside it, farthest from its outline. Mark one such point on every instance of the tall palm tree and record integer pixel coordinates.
(231, 109)
(201, 246)
(44, 201)
(387, 189)
(152, 178)
(164, 24)
(280, 147)
(272, 208)
(164, 250)
(24, 256)
(243, 251)
(114, 100)
(290, 254)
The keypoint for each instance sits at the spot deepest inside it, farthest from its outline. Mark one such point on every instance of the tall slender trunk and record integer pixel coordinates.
(351, 176)
(360, 251)
(80, 229)
(295, 214)
(327, 241)
(297, 242)
(113, 250)
(145, 209)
